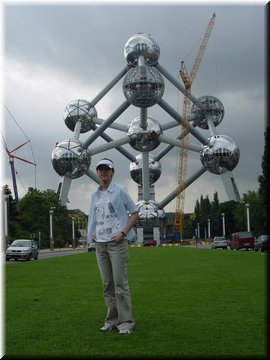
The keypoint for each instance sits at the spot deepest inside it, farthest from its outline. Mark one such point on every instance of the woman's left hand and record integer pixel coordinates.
(118, 237)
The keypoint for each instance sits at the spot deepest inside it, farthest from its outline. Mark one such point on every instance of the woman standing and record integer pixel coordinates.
(111, 219)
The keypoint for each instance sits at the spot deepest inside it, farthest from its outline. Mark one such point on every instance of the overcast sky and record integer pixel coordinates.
(55, 53)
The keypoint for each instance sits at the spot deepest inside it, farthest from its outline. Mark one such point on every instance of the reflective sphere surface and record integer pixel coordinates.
(213, 108)
(144, 140)
(79, 110)
(149, 212)
(69, 158)
(143, 86)
(220, 154)
(141, 44)
(135, 169)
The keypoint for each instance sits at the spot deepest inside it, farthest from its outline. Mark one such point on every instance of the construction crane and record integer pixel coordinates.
(11, 157)
(182, 169)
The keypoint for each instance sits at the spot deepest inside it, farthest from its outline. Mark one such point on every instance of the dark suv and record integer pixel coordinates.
(262, 243)
(242, 240)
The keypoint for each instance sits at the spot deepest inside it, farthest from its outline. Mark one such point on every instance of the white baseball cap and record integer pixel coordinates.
(106, 162)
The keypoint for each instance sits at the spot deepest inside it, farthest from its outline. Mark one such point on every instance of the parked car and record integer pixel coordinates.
(262, 243)
(219, 242)
(242, 240)
(22, 249)
(265, 247)
(92, 246)
(150, 243)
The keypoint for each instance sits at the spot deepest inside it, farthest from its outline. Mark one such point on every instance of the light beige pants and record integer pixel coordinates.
(112, 261)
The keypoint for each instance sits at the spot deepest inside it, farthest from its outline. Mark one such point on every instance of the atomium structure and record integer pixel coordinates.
(143, 87)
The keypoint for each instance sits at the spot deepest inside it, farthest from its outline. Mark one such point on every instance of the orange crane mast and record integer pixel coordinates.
(182, 168)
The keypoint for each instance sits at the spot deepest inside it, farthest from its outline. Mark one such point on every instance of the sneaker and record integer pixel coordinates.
(107, 328)
(125, 332)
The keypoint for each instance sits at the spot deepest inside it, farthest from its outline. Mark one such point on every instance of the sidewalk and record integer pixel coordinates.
(62, 249)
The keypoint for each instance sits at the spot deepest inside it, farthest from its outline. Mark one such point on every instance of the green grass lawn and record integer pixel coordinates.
(187, 302)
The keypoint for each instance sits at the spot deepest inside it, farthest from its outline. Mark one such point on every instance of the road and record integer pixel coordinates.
(46, 254)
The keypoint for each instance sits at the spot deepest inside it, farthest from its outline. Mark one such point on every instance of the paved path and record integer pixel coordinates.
(47, 253)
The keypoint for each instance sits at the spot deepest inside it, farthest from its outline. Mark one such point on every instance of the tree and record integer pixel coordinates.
(13, 212)
(204, 210)
(215, 216)
(228, 208)
(255, 213)
(188, 226)
(264, 181)
(34, 217)
(34, 209)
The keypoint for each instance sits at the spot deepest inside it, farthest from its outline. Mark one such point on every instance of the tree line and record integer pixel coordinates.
(30, 218)
(211, 215)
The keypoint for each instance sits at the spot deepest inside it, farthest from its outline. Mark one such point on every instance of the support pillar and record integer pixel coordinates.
(139, 235)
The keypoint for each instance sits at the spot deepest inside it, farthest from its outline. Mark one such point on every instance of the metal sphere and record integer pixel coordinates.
(80, 110)
(135, 169)
(143, 86)
(213, 108)
(70, 159)
(220, 154)
(144, 139)
(149, 212)
(141, 44)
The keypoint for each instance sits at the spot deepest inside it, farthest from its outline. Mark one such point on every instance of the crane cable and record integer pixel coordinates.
(31, 148)
(21, 131)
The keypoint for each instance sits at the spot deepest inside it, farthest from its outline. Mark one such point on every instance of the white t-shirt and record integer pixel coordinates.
(107, 223)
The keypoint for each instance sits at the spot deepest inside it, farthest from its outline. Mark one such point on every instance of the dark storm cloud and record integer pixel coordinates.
(78, 39)
(57, 53)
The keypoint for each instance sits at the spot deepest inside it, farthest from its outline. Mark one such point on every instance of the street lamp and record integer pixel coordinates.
(248, 221)
(223, 224)
(209, 231)
(73, 233)
(39, 240)
(198, 232)
(6, 198)
(51, 228)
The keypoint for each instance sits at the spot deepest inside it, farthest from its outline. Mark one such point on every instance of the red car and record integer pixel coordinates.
(242, 240)
(150, 243)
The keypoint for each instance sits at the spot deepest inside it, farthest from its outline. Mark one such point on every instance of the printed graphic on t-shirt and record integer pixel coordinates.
(107, 223)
